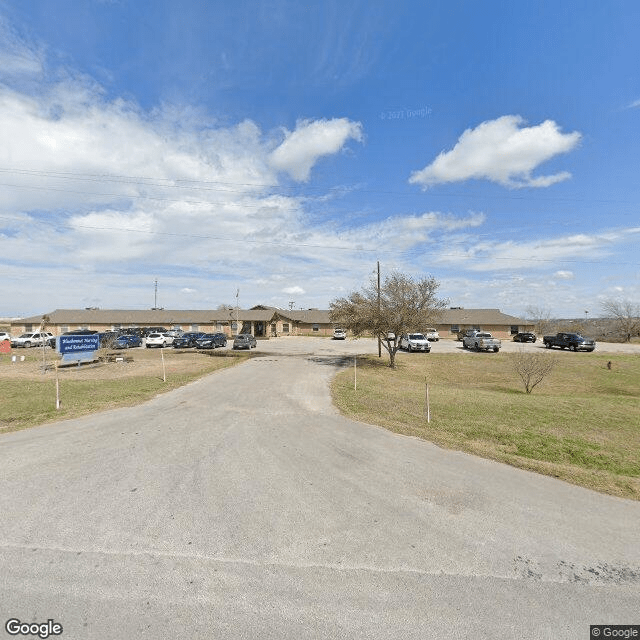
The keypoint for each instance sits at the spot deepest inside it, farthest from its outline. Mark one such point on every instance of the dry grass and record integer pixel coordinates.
(29, 395)
(582, 424)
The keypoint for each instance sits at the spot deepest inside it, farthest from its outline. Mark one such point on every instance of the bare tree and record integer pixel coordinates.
(541, 318)
(626, 315)
(401, 305)
(532, 368)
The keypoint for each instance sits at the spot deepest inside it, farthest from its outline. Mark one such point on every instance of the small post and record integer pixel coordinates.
(355, 372)
(164, 373)
(427, 406)
(57, 388)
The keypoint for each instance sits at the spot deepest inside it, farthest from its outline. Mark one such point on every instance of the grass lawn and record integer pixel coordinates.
(28, 397)
(581, 424)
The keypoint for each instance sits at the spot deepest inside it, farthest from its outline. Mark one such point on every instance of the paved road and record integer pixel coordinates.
(244, 506)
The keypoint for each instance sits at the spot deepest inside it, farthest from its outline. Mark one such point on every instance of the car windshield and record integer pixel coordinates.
(416, 336)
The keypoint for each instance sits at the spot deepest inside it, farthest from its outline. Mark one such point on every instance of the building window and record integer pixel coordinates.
(285, 327)
(315, 327)
(28, 328)
(514, 329)
(64, 328)
(455, 328)
(194, 327)
(234, 326)
(219, 326)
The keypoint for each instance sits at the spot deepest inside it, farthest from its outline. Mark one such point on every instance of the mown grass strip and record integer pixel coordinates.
(582, 424)
(27, 402)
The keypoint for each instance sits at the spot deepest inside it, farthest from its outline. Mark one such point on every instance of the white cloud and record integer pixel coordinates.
(634, 105)
(310, 141)
(501, 151)
(564, 275)
(294, 291)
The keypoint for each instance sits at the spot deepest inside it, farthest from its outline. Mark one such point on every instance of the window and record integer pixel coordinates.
(315, 327)
(455, 328)
(28, 328)
(514, 329)
(234, 326)
(285, 327)
(194, 327)
(64, 328)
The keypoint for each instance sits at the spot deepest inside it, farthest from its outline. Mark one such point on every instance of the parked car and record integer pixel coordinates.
(525, 336)
(187, 340)
(481, 341)
(415, 342)
(244, 341)
(31, 339)
(432, 334)
(128, 341)
(211, 341)
(339, 334)
(5, 336)
(146, 331)
(158, 340)
(573, 341)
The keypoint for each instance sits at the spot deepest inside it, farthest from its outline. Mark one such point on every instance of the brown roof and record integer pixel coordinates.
(260, 313)
(477, 316)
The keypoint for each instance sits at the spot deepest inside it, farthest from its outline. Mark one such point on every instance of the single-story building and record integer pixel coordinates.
(262, 321)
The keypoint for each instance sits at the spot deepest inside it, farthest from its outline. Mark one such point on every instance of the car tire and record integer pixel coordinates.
(495, 349)
(27, 345)
(409, 348)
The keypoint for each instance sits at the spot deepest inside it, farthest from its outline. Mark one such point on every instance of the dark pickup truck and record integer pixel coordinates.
(573, 341)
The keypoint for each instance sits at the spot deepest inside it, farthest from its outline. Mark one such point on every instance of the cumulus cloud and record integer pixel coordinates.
(310, 141)
(298, 291)
(502, 151)
(564, 275)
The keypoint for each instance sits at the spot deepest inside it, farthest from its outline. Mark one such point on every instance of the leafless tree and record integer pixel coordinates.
(402, 305)
(532, 368)
(626, 315)
(541, 318)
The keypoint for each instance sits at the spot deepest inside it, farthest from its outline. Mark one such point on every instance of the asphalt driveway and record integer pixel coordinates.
(244, 506)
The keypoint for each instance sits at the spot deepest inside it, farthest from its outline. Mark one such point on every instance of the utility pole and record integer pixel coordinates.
(155, 295)
(379, 339)
(237, 313)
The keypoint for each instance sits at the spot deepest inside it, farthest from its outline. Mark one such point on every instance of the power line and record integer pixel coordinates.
(210, 185)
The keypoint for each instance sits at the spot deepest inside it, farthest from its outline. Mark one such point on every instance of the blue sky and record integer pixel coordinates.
(282, 148)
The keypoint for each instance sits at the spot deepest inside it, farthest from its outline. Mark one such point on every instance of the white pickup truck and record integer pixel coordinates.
(481, 341)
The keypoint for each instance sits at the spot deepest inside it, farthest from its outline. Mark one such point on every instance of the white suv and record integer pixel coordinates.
(414, 342)
(31, 339)
(4, 336)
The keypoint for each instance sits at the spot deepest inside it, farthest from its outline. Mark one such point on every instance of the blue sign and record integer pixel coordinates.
(78, 343)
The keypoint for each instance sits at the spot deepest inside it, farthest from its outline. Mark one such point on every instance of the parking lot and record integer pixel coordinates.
(297, 345)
